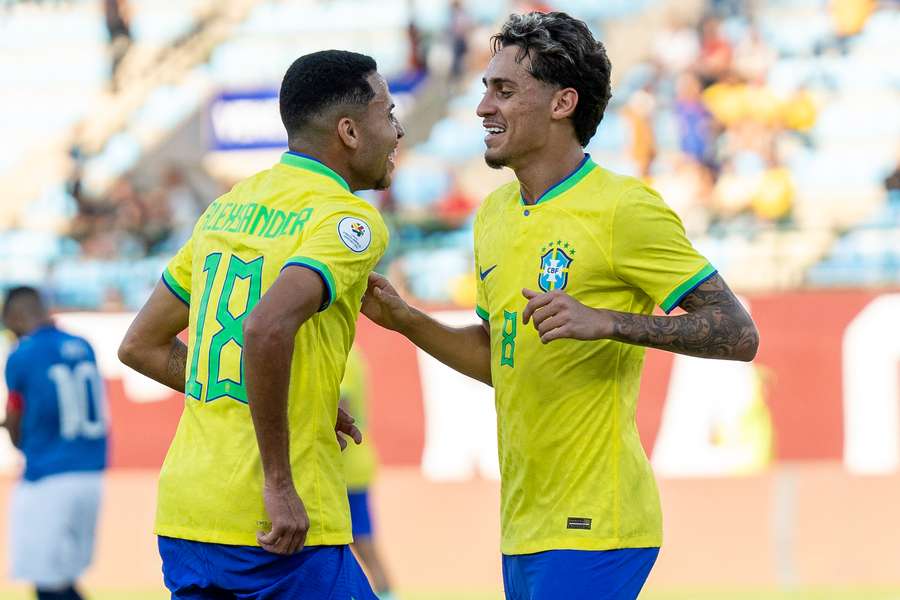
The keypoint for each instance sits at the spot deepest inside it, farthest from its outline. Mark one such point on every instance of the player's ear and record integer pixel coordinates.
(564, 103)
(348, 131)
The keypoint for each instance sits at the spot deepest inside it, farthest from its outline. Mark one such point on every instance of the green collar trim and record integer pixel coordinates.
(303, 161)
(567, 183)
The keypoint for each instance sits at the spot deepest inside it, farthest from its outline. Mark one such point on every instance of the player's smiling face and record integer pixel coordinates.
(380, 133)
(515, 109)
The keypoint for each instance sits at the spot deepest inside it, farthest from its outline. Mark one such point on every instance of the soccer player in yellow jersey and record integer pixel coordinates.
(571, 260)
(360, 464)
(252, 501)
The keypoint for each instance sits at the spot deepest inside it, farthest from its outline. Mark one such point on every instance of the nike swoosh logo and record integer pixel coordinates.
(484, 274)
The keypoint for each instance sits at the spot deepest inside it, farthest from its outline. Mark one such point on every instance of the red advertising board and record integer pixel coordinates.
(801, 359)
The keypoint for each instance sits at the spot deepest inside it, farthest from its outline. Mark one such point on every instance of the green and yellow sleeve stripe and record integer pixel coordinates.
(323, 271)
(680, 292)
(174, 287)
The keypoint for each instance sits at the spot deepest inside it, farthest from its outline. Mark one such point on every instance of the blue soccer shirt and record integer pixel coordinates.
(53, 379)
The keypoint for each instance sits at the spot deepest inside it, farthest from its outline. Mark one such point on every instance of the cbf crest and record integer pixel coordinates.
(556, 259)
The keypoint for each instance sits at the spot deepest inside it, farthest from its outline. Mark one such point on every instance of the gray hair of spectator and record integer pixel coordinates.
(563, 52)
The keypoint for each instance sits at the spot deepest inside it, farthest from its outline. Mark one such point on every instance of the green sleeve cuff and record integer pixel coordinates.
(482, 313)
(679, 293)
(323, 271)
(174, 287)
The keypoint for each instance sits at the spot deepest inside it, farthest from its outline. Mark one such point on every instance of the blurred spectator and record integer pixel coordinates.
(118, 24)
(183, 206)
(848, 18)
(638, 112)
(715, 52)
(74, 181)
(799, 114)
(687, 186)
(460, 24)
(737, 183)
(753, 57)
(417, 58)
(731, 101)
(455, 208)
(127, 223)
(774, 197)
(677, 46)
(727, 8)
(892, 185)
(694, 120)
(526, 6)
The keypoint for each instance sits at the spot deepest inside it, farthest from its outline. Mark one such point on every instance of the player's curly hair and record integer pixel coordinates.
(320, 80)
(563, 52)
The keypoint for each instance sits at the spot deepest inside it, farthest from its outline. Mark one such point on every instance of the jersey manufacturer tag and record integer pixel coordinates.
(578, 523)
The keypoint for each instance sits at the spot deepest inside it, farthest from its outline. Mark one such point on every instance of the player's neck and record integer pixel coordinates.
(34, 324)
(329, 160)
(541, 172)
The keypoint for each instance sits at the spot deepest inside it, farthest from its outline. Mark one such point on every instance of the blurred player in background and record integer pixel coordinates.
(584, 254)
(252, 497)
(56, 415)
(360, 464)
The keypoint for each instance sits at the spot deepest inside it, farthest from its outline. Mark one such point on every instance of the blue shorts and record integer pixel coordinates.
(578, 574)
(360, 519)
(198, 570)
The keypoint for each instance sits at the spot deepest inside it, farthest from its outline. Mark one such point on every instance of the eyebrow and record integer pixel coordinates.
(500, 81)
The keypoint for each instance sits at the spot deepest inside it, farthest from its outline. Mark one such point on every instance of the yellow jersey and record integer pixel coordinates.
(298, 213)
(359, 461)
(573, 472)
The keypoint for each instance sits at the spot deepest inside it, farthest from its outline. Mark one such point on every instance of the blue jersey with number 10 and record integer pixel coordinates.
(64, 418)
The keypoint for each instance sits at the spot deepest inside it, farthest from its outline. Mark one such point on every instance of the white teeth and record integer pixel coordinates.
(495, 129)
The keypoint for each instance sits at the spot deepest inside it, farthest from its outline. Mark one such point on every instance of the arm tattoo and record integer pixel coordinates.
(177, 365)
(716, 326)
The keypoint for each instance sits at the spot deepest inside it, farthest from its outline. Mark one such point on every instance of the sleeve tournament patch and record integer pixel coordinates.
(355, 233)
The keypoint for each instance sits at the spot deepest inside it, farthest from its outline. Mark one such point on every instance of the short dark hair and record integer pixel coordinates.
(22, 292)
(563, 52)
(317, 81)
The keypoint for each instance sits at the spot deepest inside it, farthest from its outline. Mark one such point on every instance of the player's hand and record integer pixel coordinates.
(558, 315)
(345, 427)
(289, 520)
(383, 305)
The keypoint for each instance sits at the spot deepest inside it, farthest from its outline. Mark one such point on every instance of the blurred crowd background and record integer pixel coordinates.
(771, 126)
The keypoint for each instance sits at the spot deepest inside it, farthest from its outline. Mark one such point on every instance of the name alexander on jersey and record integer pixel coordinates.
(254, 219)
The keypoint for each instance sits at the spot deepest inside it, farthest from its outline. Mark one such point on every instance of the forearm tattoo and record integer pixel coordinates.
(715, 326)
(175, 369)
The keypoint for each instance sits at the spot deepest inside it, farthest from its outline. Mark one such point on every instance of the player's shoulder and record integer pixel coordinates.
(498, 200)
(624, 192)
(508, 192)
(246, 188)
(74, 347)
(66, 345)
(249, 189)
(338, 206)
(617, 186)
(47, 344)
(28, 347)
(17, 356)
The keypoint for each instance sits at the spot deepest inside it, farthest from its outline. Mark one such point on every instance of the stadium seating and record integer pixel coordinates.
(814, 213)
